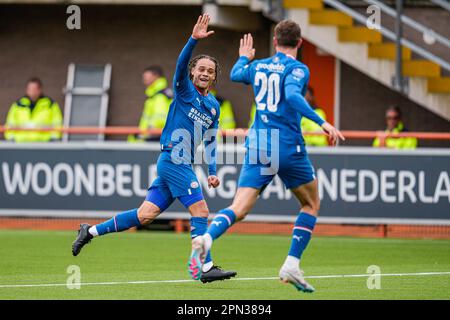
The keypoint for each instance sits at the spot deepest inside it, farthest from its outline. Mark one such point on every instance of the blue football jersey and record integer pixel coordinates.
(188, 110)
(279, 85)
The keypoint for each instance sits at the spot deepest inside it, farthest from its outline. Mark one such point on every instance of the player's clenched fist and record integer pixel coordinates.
(213, 181)
(200, 30)
(246, 47)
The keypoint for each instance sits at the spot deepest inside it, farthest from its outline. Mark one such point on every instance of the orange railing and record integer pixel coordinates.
(349, 134)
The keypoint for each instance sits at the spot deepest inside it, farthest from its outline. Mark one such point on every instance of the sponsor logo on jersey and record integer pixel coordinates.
(194, 184)
(278, 67)
(299, 73)
(200, 117)
(213, 111)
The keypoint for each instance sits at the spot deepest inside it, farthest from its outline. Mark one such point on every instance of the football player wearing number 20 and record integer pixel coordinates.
(279, 84)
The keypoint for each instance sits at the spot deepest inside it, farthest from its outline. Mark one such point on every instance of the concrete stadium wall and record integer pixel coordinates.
(36, 42)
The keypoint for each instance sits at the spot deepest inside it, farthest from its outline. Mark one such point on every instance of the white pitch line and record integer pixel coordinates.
(236, 279)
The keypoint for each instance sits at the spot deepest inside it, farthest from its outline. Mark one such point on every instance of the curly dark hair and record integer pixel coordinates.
(194, 61)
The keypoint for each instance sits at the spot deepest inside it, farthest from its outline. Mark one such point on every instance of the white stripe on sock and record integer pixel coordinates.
(115, 224)
(304, 229)
(221, 215)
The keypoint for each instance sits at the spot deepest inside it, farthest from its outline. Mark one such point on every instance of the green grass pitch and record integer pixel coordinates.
(38, 257)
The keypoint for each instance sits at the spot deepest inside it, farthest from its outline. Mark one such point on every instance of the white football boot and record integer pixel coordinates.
(294, 276)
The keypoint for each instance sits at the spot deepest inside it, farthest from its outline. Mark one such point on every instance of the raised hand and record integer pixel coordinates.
(200, 30)
(246, 47)
(333, 133)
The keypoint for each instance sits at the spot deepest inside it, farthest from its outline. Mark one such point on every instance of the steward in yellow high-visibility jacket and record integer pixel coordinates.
(252, 115)
(310, 126)
(26, 113)
(394, 124)
(226, 118)
(156, 108)
(307, 125)
(397, 143)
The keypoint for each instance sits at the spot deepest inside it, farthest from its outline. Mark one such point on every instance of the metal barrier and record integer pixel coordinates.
(411, 22)
(349, 134)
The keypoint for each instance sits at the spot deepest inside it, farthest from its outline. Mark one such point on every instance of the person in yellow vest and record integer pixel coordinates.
(394, 124)
(226, 118)
(252, 115)
(156, 106)
(310, 126)
(34, 110)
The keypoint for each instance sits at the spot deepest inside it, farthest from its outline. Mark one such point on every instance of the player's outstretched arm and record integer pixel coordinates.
(199, 31)
(239, 73)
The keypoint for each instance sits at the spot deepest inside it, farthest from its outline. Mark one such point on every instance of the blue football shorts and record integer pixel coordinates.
(174, 181)
(294, 169)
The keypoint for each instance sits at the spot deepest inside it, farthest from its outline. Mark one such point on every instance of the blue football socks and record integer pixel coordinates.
(301, 234)
(122, 221)
(222, 221)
